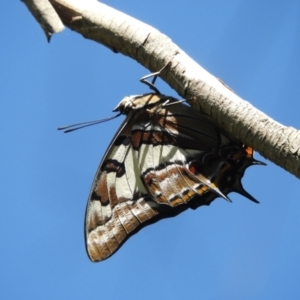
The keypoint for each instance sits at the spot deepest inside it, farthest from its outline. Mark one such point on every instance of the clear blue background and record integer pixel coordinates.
(225, 251)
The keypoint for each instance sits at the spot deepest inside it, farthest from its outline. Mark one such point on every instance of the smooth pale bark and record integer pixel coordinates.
(143, 43)
(45, 15)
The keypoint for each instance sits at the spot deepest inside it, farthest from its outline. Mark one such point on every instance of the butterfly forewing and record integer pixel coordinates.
(163, 160)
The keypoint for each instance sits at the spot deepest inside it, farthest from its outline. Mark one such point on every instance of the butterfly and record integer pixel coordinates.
(164, 159)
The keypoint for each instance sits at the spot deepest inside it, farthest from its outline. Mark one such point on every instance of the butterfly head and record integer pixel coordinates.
(138, 102)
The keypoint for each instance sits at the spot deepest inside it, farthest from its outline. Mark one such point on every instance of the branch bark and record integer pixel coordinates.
(143, 43)
(45, 15)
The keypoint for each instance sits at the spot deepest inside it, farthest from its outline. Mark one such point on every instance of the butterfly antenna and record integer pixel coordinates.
(77, 126)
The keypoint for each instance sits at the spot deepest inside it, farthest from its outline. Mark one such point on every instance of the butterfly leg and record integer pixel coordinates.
(154, 75)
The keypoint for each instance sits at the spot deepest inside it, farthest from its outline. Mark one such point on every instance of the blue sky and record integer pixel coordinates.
(225, 251)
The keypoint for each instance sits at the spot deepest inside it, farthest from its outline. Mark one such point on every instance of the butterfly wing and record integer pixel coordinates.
(162, 161)
(109, 217)
(212, 163)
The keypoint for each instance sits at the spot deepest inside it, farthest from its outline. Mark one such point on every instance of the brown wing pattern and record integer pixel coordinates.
(163, 160)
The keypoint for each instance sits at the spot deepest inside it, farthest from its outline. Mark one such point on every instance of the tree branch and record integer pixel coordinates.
(45, 15)
(153, 50)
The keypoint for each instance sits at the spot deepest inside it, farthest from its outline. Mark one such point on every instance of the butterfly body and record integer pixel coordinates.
(164, 159)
